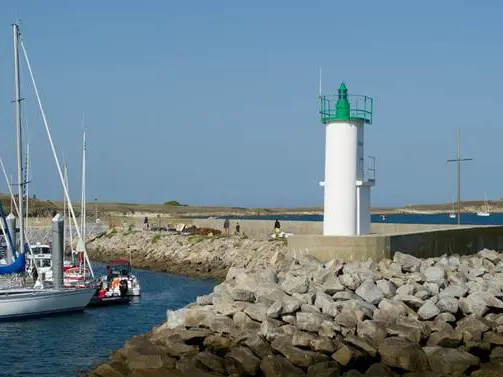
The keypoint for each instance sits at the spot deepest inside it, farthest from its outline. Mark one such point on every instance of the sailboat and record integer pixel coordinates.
(452, 214)
(485, 209)
(37, 300)
(77, 274)
(72, 275)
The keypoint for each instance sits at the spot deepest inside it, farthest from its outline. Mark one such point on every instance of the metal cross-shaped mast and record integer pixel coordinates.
(458, 160)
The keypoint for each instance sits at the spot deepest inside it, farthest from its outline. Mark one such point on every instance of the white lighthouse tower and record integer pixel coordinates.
(347, 189)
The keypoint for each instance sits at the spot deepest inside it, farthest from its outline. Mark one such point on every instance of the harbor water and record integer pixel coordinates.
(398, 218)
(65, 345)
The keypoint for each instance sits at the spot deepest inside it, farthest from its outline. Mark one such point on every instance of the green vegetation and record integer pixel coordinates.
(175, 203)
(195, 238)
(156, 238)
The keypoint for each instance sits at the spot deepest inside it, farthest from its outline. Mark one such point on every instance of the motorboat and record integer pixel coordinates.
(108, 301)
(111, 296)
(73, 276)
(120, 271)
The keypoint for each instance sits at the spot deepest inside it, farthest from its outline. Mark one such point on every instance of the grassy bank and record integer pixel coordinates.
(117, 212)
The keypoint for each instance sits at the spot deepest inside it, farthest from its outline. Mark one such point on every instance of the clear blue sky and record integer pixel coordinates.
(215, 102)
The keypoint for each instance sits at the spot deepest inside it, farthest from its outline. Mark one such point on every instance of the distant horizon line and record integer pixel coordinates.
(6, 196)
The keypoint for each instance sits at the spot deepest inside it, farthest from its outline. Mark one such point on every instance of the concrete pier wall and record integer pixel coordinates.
(421, 240)
(261, 229)
(424, 244)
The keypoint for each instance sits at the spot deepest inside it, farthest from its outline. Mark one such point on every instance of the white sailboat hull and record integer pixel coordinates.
(21, 303)
(483, 214)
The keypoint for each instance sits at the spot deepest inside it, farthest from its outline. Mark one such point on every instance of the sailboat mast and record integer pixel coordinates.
(83, 225)
(27, 178)
(458, 159)
(64, 203)
(68, 228)
(459, 175)
(17, 100)
(12, 196)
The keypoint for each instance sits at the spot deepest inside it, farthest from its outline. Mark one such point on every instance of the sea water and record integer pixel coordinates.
(437, 218)
(64, 345)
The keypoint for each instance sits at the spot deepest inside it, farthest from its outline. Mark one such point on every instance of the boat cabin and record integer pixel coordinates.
(41, 250)
(41, 256)
(120, 267)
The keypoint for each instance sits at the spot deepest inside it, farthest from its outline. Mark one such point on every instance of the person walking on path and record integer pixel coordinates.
(226, 227)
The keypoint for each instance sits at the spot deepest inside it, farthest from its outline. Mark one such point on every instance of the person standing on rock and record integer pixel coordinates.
(226, 227)
(145, 222)
(238, 228)
(277, 227)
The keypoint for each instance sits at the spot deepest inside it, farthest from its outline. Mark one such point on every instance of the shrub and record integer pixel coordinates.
(172, 203)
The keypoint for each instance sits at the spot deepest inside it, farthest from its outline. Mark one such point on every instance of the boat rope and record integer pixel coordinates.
(7, 237)
(9, 184)
(17, 213)
(46, 124)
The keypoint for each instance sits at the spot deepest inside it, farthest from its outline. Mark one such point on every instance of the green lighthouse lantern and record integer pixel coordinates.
(343, 106)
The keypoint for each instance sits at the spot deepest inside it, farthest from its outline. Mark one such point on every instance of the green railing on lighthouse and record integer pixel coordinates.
(344, 106)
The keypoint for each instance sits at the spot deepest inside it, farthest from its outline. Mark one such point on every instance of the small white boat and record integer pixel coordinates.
(453, 213)
(485, 209)
(73, 276)
(121, 270)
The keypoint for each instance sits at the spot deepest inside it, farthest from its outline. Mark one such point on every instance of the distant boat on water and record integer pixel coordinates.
(453, 214)
(485, 210)
(484, 213)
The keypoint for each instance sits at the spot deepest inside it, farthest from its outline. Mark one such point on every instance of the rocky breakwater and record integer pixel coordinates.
(401, 317)
(196, 255)
(44, 234)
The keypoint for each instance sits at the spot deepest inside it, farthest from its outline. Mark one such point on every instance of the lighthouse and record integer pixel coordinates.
(346, 186)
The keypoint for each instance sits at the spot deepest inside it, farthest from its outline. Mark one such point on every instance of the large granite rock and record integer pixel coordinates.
(403, 317)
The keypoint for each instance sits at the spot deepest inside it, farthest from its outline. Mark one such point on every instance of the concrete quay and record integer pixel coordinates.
(420, 240)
